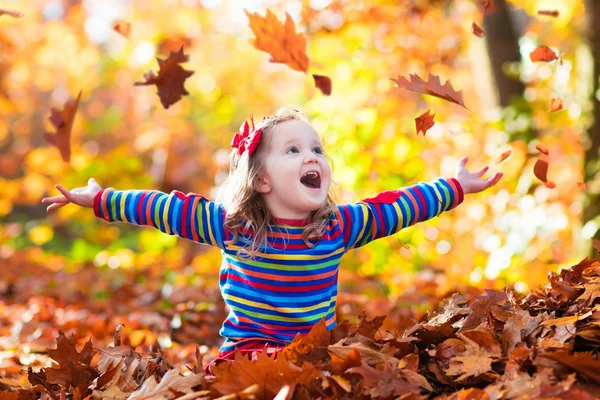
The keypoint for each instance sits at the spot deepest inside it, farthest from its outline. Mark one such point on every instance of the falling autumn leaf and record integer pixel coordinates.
(170, 79)
(11, 13)
(549, 13)
(540, 170)
(63, 122)
(432, 87)
(503, 156)
(123, 27)
(424, 122)
(556, 104)
(581, 185)
(477, 30)
(542, 148)
(279, 40)
(323, 83)
(543, 54)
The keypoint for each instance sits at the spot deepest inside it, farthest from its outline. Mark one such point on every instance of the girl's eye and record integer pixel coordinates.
(292, 148)
(319, 150)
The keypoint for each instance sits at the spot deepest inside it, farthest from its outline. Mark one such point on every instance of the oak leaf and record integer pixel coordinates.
(432, 87)
(369, 328)
(270, 374)
(279, 40)
(585, 363)
(170, 79)
(74, 367)
(369, 353)
(392, 381)
(171, 381)
(63, 122)
(424, 122)
(311, 347)
(323, 83)
(543, 54)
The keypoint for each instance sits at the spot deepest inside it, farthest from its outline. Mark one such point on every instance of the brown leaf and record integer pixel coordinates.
(323, 83)
(477, 30)
(368, 328)
(582, 362)
(279, 40)
(570, 319)
(432, 87)
(123, 27)
(556, 104)
(271, 375)
(390, 382)
(517, 327)
(543, 54)
(170, 79)
(549, 13)
(172, 380)
(592, 291)
(540, 169)
(66, 351)
(63, 122)
(311, 347)
(503, 156)
(339, 365)
(480, 307)
(74, 367)
(424, 122)
(369, 353)
(11, 13)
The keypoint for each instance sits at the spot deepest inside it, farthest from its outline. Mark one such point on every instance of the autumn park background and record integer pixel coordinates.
(72, 272)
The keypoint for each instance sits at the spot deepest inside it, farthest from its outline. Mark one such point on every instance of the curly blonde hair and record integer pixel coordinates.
(246, 209)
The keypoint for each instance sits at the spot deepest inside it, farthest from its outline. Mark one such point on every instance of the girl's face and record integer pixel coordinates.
(296, 176)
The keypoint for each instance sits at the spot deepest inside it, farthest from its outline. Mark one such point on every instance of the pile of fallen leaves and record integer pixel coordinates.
(499, 346)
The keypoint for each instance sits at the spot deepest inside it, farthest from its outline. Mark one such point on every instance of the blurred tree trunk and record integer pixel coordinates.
(591, 160)
(502, 40)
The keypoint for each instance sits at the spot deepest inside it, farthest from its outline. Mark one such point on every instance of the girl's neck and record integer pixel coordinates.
(291, 221)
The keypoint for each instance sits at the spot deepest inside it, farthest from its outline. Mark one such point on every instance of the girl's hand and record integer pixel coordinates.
(83, 197)
(471, 182)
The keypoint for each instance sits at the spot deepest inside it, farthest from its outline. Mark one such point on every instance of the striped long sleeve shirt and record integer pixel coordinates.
(289, 287)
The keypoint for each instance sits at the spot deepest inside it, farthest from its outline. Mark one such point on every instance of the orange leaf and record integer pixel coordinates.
(170, 79)
(556, 104)
(424, 122)
(549, 13)
(477, 31)
(123, 27)
(11, 13)
(323, 83)
(540, 170)
(550, 185)
(542, 148)
(543, 53)
(63, 122)
(581, 185)
(504, 156)
(432, 87)
(279, 40)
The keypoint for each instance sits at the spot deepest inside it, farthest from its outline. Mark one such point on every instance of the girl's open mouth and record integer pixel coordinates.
(311, 180)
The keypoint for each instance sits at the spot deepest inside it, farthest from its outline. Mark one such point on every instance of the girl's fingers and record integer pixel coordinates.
(55, 199)
(482, 171)
(65, 192)
(55, 206)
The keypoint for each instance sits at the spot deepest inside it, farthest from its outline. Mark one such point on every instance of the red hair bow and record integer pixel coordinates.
(246, 139)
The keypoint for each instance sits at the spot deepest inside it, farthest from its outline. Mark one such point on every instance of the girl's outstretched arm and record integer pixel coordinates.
(390, 211)
(190, 216)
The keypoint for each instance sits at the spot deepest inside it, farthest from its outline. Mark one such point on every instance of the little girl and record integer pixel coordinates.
(279, 229)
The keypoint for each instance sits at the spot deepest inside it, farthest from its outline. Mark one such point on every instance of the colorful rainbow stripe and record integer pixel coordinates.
(289, 287)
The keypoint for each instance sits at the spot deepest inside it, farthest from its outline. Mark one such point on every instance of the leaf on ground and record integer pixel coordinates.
(585, 363)
(369, 353)
(170, 79)
(270, 374)
(424, 122)
(63, 122)
(480, 307)
(543, 54)
(123, 27)
(390, 382)
(279, 40)
(477, 30)
(74, 367)
(503, 156)
(323, 83)
(432, 87)
(591, 293)
(518, 325)
(368, 328)
(311, 347)
(556, 104)
(172, 380)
